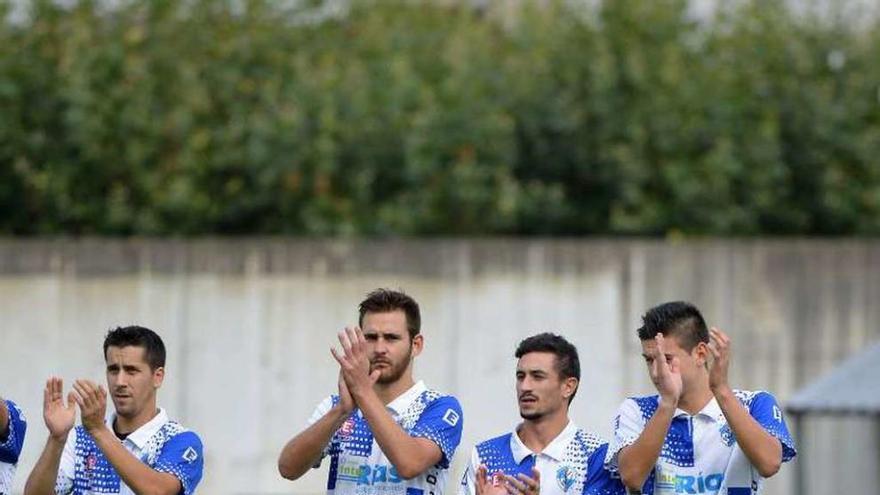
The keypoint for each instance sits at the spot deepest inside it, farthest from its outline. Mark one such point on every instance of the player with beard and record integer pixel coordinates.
(384, 432)
(547, 453)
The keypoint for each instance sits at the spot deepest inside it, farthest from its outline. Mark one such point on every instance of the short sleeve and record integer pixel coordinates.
(601, 481)
(10, 446)
(441, 422)
(67, 465)
(182, 456)
(764, 408)
(628, 425)
(468, 479)
(320, 411)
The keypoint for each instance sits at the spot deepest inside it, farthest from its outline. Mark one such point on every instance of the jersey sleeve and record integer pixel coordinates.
(182, 456)
(10, 445)
(441, 422)
(765, 410)
(601, 481)
(320, 411)
(67, 465)
(468, 478)
(628, 426)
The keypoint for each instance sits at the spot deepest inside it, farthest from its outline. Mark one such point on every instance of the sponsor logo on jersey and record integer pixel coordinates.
(368, 475)
(678, 483)
(190, 454)
(699, 484)
(451, 417)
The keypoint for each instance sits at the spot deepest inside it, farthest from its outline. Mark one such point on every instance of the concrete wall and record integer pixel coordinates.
(248, 325)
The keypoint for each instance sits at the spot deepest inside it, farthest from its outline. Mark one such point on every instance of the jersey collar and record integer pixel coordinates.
(404, 400)
(142, 435)
(555, 449)
(711, 410)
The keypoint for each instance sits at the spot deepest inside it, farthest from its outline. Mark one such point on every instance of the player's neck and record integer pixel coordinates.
(387, 392)
(696, 398)
(536, 434)
(128, 425)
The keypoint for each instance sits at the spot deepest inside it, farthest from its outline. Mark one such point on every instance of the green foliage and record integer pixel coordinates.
(187, 117)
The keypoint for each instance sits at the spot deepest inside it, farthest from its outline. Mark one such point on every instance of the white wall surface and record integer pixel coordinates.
(248, 326)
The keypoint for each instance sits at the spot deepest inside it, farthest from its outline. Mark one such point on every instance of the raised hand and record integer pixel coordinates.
(488, 485)
(524, 485)
(354, 361)
(720, 348)
(92, 401)
(58, 415)
(666, 376)
(346, 402)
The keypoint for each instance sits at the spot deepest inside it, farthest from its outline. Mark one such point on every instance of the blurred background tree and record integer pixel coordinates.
(191, 117)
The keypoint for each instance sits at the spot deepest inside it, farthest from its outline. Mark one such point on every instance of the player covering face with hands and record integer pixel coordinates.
(697, 434)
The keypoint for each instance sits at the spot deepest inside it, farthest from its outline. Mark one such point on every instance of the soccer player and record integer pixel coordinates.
(384, 432)
(12, 430)
(137, 449)
(547, 453)
(698, 435)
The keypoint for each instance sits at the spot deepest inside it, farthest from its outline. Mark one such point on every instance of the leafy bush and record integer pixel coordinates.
(173, 117)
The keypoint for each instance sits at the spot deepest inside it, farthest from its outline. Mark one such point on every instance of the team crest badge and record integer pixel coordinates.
(565, 477)
(727, 435)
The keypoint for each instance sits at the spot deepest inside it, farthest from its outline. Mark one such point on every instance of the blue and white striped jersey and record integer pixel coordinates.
(162, 444)
(700, 454)
(10, 446)
(359, 467)
(572, 464)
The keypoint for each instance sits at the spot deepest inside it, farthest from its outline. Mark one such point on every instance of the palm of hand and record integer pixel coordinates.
(486, 486)
(667, 379)
(345, 399)
(59, 418)
(672, 384)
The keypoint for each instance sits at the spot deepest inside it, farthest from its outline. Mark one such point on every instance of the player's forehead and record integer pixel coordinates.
(670, 346)
(129, 355)
(388, 322)
(536, 361)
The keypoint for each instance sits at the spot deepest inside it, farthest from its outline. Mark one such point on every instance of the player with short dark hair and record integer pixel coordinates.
(698, 435)
(137, 450)
(385, 432)
(12, 431)
(547, 453)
